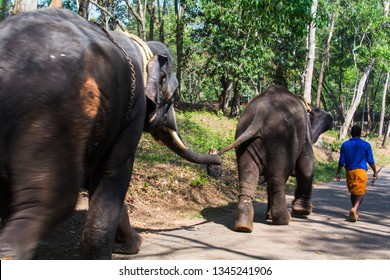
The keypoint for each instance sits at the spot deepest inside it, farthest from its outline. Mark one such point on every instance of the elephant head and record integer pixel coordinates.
(320, 121)
(160, 120)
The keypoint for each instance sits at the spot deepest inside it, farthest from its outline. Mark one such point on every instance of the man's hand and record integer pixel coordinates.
(338, 173)
(375, 176)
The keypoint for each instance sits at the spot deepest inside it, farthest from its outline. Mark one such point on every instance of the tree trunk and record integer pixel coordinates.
(24, 6)
(139, 15)
(386, 138)
(179, 13)
(325, 58)
(142, 20)
(83, 8)
(335, 102)
(383, 110)
(224, 98)
(308, 75)
(235, 111)
(161, 19)
(152, 20)
(357, 99)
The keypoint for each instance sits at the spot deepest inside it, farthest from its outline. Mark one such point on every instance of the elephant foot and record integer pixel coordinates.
(302, 207)
(281, 219)
(243, 221)
(129, 245)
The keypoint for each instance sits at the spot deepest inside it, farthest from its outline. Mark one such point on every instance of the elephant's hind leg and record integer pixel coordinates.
(304, 174)
(243, 220)
(40, 200)
(248, 172)
(278, 206)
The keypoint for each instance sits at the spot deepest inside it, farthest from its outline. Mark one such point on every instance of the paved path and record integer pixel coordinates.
(325, 234)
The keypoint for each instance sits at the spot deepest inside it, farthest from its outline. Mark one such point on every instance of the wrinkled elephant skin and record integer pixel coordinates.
(74, 100)
(274, 139)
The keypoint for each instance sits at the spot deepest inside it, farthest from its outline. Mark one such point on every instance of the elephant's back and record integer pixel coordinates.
(274, 112)
(62, 73)
(277, 100)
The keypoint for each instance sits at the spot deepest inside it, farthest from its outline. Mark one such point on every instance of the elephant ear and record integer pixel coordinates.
(155, 78)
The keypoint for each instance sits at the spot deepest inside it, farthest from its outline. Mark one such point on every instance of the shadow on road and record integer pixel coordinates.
(325, 234)
(64, 242)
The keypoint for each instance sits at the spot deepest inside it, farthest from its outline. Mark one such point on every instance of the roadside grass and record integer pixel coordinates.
(381, 155)
(325, 171)
(204, 130)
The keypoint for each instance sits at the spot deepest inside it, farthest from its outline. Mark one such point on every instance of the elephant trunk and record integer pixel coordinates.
(165, 132)
(173, 141)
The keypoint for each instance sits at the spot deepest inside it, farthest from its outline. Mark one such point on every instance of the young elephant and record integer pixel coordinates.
(274, 139)
(74, 100)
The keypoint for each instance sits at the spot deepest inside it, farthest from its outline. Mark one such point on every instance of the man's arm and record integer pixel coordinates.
(371, 162)
(341, 163)
(338, 173)
(373, 167)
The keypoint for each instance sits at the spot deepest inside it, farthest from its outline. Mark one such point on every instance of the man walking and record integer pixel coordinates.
(354, 156)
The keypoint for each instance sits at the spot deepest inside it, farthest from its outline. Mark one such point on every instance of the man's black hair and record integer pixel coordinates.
(356, 131)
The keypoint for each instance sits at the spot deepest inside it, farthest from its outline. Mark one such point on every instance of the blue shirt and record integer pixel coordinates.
(355, 153)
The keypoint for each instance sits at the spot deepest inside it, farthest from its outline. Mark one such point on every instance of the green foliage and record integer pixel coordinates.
(199, 181)
(5, 8)
(250, 43)
(197, 129)
(325, 171)
(361, 33)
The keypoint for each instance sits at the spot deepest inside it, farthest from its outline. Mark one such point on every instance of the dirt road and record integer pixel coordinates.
(325, 234)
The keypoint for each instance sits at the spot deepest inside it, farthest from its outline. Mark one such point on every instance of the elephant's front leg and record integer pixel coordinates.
(248, 173)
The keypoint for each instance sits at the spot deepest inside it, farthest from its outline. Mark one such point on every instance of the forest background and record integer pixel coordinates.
(335, 53)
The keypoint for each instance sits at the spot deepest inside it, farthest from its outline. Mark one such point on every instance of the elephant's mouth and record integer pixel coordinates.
(172, 132)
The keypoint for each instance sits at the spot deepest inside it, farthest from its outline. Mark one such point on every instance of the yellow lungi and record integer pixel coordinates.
(357, 181)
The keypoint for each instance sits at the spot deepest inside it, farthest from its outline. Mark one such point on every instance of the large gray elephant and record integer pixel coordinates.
(274, 139)
(74, 100)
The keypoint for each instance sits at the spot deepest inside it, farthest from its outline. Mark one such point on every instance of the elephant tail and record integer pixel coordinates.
(248, 134)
